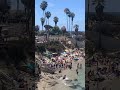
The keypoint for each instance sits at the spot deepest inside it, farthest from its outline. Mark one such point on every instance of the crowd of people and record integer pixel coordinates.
(62, 61)
(58, 65)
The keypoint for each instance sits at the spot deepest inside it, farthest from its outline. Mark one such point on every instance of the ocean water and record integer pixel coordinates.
(79, 83)
(81, 79)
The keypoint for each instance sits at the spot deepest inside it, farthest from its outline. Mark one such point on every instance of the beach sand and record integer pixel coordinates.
(57, 83)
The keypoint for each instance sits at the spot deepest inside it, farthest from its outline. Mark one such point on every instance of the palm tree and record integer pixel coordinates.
(55, 20)
(66, 10)
(48, 15)
(42, 21)
(69, 15)
(43, 6)
(72, 17)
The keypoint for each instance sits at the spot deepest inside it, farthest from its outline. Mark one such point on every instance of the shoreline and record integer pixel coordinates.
(55, 81)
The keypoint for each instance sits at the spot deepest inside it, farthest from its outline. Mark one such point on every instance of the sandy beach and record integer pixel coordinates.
(56, 82)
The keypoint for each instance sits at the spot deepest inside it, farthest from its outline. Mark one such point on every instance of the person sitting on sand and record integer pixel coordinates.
(64, 76)
(70, 67)
(60, 71)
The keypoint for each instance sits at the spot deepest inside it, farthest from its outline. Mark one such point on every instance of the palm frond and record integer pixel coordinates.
(55, 19)
(66, 10)
(43, 5)
(48, 14)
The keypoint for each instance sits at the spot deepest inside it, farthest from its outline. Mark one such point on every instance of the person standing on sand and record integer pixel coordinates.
(77, 65)
(77, 71)
(60, 71)
(56, 65)
(80, 66)
(70, 67)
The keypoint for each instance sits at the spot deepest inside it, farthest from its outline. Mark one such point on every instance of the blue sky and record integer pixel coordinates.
(56, 7)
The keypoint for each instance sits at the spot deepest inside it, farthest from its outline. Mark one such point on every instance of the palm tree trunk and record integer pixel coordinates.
(17, 5)
(42, 27)
(48, 29)
(67, 21)
(45, 18)
(43, 13)
(55, 23)
(72, 25)
(69, 25)
(48, 21)
(88, 13)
